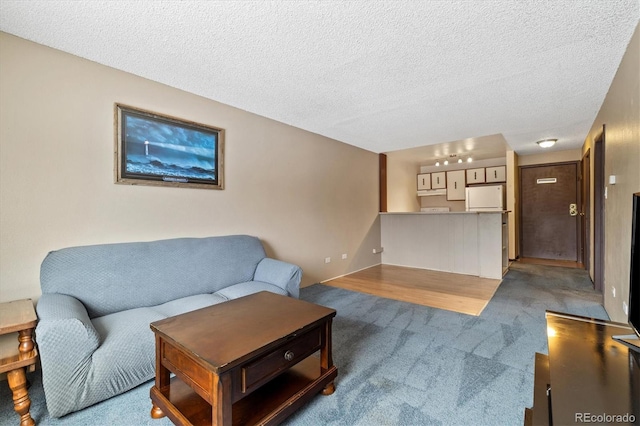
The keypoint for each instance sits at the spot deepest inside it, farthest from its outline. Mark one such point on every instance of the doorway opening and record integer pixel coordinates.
(598, 212)
(549, 216)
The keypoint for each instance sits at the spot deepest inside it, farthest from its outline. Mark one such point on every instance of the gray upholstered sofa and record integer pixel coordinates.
(98, 301)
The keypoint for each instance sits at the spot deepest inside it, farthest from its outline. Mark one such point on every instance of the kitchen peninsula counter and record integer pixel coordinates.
(470, 243)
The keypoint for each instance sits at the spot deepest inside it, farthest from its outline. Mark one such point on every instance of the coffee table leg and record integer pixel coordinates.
(156, 412)
(326, 358)
(329, 389)
(162, 378)
(221, 405)
(21, 402)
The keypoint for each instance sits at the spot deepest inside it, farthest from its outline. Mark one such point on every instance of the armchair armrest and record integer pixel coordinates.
(285, 275)
(66, 340)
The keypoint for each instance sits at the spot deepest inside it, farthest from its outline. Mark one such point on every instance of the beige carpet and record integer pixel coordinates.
(454, 292)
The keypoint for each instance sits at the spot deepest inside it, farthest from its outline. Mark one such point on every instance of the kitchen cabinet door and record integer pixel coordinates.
(456, 185)
(424, 181)
(497, 174)
(438, 180)
(475, 175)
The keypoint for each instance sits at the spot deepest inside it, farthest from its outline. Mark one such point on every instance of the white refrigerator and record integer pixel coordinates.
(489, 198)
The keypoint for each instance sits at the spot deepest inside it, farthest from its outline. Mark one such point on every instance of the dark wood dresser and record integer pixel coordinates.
(588, 377)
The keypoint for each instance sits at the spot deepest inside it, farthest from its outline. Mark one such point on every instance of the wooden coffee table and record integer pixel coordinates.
(252, 360)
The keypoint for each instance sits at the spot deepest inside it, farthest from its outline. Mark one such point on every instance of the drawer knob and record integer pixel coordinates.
(288, 355)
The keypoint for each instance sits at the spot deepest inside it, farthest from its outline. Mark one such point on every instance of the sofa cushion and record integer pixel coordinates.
(187, 304)
(247, 288)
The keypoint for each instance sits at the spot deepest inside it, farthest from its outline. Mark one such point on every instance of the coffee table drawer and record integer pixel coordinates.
(263, 369)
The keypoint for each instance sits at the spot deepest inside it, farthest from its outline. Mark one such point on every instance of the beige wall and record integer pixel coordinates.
(513, 205)
(307, 197)
(620, 112)
(550, 157)
(441, 200)
(402, 185)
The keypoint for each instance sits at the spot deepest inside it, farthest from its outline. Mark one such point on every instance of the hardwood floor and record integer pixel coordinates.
(454, 292)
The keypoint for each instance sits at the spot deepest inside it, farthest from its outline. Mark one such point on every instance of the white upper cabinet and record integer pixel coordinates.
(438, 180)
(475, 176)
(456, 185)
(497, 174)
(424, 181)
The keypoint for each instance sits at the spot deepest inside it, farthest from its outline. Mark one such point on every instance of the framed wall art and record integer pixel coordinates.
(155, 149)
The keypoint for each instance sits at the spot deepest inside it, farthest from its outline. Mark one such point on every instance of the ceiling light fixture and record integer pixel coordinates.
(437, 164)
(469, 160)
(446, 162)
(459, 160)
(547, 143)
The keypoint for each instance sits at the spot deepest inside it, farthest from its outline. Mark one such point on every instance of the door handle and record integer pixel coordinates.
(573, 209)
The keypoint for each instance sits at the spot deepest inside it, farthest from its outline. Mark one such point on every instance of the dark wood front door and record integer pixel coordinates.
(549, 227)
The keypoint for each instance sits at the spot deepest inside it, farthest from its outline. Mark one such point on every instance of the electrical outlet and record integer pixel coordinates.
(613, 290)
(344, 256)
(625, 308)
(327, 260)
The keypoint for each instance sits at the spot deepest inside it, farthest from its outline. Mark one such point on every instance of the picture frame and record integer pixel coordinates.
(161, 150)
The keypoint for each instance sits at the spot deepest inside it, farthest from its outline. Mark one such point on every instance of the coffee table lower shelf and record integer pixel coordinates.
(269, 404)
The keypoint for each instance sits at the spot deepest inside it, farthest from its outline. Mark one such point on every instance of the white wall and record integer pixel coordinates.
(306, 196)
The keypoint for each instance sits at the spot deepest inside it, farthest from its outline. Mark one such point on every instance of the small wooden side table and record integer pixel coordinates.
(18, 318)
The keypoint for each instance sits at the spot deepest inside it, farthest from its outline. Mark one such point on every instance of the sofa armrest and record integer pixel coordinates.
(66, 340)
(282, 274)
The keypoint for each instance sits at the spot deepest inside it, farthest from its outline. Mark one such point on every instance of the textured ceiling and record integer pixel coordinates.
(381, 75)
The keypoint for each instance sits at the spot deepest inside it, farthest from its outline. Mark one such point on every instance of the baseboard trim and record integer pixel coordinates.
(349, 273)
